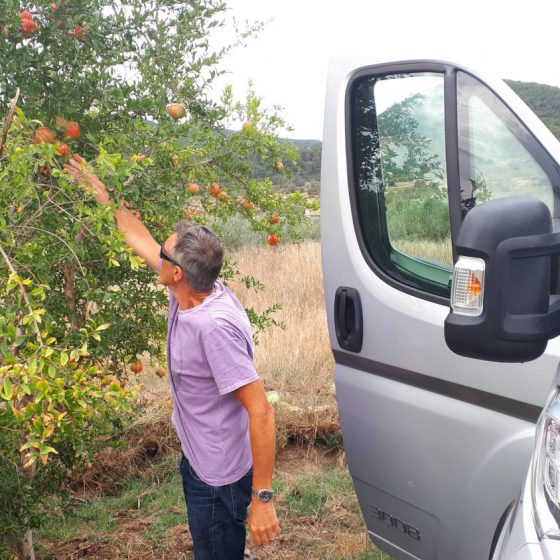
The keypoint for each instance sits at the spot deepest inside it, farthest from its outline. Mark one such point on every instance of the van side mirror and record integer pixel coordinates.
(514, 260)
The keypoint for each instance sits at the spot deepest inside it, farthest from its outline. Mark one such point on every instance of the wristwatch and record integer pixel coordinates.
(264, 495)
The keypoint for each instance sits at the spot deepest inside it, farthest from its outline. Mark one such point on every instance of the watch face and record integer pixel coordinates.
(265, 495)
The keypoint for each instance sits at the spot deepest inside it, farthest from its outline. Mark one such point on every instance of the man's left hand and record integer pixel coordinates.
(263, 522)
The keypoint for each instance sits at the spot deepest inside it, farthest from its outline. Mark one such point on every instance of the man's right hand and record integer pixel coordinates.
(78, 167)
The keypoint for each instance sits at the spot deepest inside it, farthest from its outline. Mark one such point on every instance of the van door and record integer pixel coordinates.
(438, 445)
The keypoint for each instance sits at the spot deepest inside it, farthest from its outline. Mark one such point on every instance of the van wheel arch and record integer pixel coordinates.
(500, 526)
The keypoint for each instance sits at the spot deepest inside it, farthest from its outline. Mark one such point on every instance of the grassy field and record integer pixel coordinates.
(316, 506)
(439, 251)
(295, 361)
(129, 505)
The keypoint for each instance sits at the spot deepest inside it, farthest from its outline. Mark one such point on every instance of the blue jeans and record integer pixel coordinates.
(217, 515)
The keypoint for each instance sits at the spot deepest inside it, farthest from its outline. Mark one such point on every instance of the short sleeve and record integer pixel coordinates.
(230, 357)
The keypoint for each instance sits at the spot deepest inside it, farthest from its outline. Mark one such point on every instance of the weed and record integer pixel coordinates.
(331, 441)
(370, 554)
(310, 495)
(152, 517)
(166, 521)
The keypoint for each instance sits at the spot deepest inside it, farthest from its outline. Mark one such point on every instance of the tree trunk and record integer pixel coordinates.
(70, 295)
(28, 548)
(25, 550)
(69, 271)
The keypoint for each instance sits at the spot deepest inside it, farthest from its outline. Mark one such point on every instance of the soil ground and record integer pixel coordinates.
(316, 505)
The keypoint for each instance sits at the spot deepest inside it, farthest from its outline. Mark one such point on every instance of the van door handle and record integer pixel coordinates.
(348, 319)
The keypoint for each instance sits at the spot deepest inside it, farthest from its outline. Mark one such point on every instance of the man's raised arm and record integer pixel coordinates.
(135, 233)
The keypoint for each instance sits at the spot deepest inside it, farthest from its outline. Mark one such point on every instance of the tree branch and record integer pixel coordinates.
(70, 295)
(8, 121)
(61, 240)
(25, 297)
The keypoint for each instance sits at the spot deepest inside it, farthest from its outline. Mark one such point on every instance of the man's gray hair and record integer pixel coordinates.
(199, 252)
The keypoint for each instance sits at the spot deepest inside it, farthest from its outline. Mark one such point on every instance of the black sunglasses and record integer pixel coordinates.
(165, 256)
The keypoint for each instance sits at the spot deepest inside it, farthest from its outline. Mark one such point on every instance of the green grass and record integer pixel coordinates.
(371, 554)
(309, 496)
(325, 499)
(138, 500)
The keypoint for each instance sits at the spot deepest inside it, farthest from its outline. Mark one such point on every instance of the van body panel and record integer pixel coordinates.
(434, 454)
(437, 459)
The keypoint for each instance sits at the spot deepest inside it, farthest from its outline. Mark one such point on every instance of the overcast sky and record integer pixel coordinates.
(289, 60)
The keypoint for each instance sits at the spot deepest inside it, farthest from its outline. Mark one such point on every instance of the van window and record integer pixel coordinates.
(498, 157)
(400, 183)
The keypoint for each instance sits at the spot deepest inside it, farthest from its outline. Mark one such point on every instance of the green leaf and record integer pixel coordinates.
(8, 390)
(20, 340)
(31, 444)
(47, 449)
(32, 367)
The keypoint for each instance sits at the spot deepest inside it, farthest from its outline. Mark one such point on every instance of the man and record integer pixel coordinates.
(222, 416)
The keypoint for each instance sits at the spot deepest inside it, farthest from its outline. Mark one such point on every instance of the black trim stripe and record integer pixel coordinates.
(491, 401)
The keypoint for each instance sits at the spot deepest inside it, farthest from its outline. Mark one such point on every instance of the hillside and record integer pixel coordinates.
(543, 99)
(304, 176)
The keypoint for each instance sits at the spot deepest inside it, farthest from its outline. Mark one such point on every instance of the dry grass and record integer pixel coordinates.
(298, 359)
(439, 251)
(296, 362)
(151, 437)
(316, 504)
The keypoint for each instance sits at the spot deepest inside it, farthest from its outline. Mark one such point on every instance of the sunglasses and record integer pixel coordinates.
(163, 255)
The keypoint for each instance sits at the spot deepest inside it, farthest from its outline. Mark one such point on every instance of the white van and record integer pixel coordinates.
(427, 164)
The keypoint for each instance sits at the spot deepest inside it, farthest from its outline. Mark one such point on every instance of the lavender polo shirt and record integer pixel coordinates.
(210, 354)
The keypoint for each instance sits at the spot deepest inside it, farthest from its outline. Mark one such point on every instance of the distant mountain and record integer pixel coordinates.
(305, 143)
(304, 176)
(544, 100)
